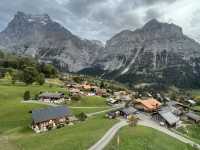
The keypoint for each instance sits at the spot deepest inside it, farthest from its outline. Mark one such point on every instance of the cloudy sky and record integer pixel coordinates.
(101, 19)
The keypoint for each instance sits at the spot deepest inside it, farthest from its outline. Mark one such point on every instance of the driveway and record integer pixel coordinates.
(103, 111)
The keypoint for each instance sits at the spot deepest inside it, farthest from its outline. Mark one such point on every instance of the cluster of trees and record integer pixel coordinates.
(25, 69)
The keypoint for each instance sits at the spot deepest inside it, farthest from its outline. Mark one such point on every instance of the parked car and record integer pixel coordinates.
(111, 115)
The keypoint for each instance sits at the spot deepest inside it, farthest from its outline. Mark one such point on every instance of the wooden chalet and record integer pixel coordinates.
(86, 86)
(49, 118)
(148, 105)
(74, 91)
(101, 92)
(52, 97)
(167, 117)
(193, 116)
(125, 112)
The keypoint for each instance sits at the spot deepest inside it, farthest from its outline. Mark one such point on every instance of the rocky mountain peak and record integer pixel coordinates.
(29, 18)
(154, 26)
(29, 25)
(39, 35)
(20, 14)
(148, 49)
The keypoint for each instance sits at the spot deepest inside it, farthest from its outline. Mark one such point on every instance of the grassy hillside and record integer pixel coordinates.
(195, 93)
(90, 101)
(143, 138)
(15, 119)
(191, 130)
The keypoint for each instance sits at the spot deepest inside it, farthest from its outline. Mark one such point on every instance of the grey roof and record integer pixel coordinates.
(172, 103)
(169, 117)
(173, 109)
(40, 115)
(193, 116)
(47, 94)
(129, 110)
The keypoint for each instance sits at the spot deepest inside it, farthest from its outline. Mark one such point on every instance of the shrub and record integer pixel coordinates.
(82, 116)
(27, 95)
(36, 97)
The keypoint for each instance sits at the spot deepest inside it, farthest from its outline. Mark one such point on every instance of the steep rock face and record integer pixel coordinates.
(39, 36)
(150, 53)
(157, 52)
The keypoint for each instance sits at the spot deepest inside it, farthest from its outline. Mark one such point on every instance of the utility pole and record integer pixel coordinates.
(118, 142)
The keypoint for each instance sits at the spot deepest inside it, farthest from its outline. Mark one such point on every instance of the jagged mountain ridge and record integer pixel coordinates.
(156, 52)
(39, 35)
(150, 42)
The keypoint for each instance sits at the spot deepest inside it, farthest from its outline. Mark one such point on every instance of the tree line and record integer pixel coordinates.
(25, 69)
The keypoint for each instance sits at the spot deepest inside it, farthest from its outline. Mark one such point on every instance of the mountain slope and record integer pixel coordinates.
(158, 52)
(38, 35)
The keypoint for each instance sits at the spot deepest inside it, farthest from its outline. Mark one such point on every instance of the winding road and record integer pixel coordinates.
(108, 136)
(144, 121)
(150, 123)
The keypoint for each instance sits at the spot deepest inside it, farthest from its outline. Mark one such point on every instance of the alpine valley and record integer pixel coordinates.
(156, 53)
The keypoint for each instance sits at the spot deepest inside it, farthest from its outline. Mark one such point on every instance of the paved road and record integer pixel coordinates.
(146, 121)
(108, 136)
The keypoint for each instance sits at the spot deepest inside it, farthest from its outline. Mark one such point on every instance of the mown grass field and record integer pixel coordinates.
(86, 110)
(197, 107)
(143, 138)
(15, 119)
(192, 131)
(89, 101)
(195, 93)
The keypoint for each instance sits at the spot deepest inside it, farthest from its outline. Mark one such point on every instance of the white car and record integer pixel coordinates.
(162, 124)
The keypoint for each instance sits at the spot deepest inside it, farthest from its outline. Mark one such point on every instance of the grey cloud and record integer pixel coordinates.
(152, 2)
(92, 19)
(81, 7)
(151, 14)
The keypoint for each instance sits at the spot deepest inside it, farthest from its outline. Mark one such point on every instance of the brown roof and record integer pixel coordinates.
(150, 103)
(86, 86)
(74, 90)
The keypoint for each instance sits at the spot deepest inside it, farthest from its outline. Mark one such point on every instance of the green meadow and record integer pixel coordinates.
(144, 138)
(15, 133)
